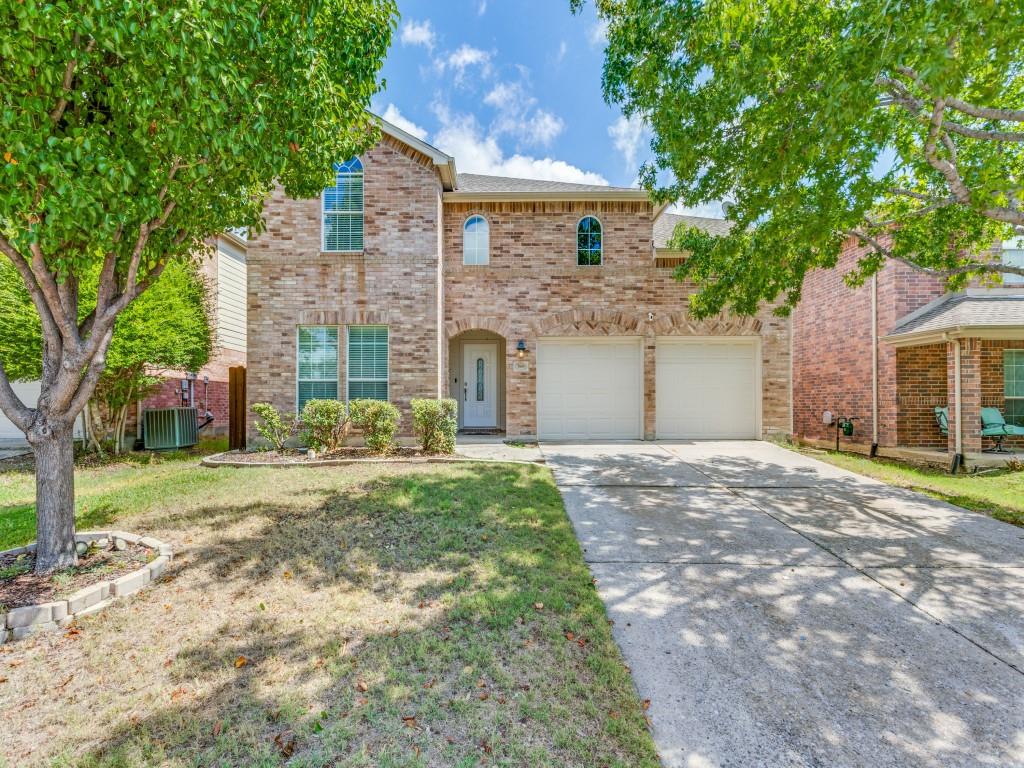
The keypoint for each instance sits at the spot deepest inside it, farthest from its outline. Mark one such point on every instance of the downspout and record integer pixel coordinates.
(958, 454)
(874, 364)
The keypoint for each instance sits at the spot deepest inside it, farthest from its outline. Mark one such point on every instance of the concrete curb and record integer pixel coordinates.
(29, 620)
(217, 460)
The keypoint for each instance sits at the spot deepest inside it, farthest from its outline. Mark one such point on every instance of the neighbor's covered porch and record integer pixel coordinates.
(960, 378)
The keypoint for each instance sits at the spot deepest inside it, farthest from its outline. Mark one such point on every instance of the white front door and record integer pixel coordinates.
(479, 385)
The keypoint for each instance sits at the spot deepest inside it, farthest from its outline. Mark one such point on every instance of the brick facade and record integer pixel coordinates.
(922, 384)
(832, 349)
(411, 278)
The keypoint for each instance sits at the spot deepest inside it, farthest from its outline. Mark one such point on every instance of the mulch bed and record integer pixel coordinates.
(20, 587)
(297, 457)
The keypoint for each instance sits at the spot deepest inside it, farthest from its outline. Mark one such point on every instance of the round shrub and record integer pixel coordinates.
(435, 422)
(378, 419)
(324, 425)
(273, 426)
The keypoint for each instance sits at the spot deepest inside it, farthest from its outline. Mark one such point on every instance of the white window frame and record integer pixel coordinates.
(337, 363)
(324, 211)
(576, 241)
(348, 366)
(486, 238)
(1008, 354)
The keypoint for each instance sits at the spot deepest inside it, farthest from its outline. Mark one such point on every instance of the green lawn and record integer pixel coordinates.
(351, 616)
(999, 494)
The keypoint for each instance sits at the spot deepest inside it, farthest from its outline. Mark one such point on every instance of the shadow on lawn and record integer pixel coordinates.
(473, 551)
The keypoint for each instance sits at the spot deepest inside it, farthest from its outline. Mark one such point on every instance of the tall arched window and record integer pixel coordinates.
(343, 208)
(588, 242)
(476, 237)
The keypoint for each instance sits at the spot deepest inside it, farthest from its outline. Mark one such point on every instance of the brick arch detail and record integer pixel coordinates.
(680, 323)
(601, 320)
(477, 323)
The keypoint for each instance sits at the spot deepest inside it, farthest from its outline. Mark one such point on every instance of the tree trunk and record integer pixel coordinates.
(54, 449)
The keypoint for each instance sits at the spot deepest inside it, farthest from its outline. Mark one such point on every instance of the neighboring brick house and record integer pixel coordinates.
(915, 333)
(546, 309)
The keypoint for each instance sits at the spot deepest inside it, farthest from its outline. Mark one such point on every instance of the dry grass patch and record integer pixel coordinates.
(356, 616)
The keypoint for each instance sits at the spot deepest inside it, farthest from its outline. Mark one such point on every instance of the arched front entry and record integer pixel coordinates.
(476, 379)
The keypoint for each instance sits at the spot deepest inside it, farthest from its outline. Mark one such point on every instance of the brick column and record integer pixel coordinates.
(970, 394)
(650, 415)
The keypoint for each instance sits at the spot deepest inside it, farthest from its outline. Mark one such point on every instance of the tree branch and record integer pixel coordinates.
(983, 113)
(28, 278)
(11, 404)
(975, 267)
(87, 384)
(69, 75)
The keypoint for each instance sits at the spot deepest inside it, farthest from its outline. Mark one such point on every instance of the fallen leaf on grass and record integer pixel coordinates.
(613, 714)
(362, 687)
(177, 693)
(486, 747)
(3, 679)
(539, 606)
(240, 662)
(285, 743)
(570, 636)
(218, 727)
(484, 695)
(409, 721)
(646, 704)
(287, 574)
(72, 632)
(430, 683)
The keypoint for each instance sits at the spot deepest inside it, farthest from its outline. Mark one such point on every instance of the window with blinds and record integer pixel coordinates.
(317, 364)
(1013, 386)
(343, 209)
(368, 362)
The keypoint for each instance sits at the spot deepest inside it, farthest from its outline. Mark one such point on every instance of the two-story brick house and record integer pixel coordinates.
(544, 308)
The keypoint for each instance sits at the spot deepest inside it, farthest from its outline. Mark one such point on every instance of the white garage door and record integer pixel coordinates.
(28, 391)
(707, 388)
(589, 389)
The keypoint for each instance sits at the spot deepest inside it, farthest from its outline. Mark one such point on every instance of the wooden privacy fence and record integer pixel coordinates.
(236, 408)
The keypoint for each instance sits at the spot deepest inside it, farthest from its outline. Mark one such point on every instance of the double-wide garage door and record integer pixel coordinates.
(592, 389)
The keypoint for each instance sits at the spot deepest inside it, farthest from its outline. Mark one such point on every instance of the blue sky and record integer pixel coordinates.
(510, 87)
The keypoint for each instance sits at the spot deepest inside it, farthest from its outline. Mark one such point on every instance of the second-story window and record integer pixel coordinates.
(476, 236)
(343, 209)
(589, 245)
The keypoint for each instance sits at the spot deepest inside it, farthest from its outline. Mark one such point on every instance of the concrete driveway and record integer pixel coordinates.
(779, 611)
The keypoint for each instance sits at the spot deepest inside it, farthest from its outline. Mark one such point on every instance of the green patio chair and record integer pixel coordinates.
(994, 425)
(942, 419)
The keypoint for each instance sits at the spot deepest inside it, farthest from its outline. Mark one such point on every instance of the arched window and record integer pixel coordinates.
(476, 237)
(588, 242)
(343, 209)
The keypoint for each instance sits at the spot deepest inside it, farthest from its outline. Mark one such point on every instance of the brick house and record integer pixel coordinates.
(891, 351)
(546, 309)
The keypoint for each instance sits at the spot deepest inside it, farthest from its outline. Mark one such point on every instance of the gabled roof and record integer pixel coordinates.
(665, 226)
(982, 312)
(445, 163)
(476, 187)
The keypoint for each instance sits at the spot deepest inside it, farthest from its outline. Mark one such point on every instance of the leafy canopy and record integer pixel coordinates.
(166, 328)
(894, 123)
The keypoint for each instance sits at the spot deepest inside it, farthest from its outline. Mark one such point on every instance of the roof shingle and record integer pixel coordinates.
(974, 307)
(477, 182)
(667, 222)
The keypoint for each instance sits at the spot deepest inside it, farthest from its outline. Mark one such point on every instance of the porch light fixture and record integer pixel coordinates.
(521, 349)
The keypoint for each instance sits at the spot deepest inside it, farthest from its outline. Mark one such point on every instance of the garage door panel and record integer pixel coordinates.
(706, 389)
(589, 389)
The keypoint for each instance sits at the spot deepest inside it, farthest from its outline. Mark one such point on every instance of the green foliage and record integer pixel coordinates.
(378, 419)
(825, 121)
(203, 105)
(167, 327)
(324, 424)
(274, 427)
(435, 422)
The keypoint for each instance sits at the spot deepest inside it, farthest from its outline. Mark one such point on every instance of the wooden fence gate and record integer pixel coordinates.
(236, 408)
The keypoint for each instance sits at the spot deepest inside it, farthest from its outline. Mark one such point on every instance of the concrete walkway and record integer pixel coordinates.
(779, 611)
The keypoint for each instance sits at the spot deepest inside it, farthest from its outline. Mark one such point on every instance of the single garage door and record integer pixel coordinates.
(589, 389)
(707, 388)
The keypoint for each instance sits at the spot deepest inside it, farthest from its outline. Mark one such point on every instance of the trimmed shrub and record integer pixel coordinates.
(274, 427)
(324, 425)
(435, 422)
(379, 421)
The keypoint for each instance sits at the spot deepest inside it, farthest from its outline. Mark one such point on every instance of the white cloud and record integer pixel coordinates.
(461, 59)
(518, 116)
(418, 33)
(482, 8)
(597, 33)
(563, 48)
(392, 114)
(477, 151)
(628, 134)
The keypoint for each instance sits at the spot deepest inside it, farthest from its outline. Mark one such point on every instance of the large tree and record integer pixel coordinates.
(130, 133)
(899, 124)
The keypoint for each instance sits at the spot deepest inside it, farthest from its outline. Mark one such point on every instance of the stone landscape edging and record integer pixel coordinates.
(216, 460)
(19, 623)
